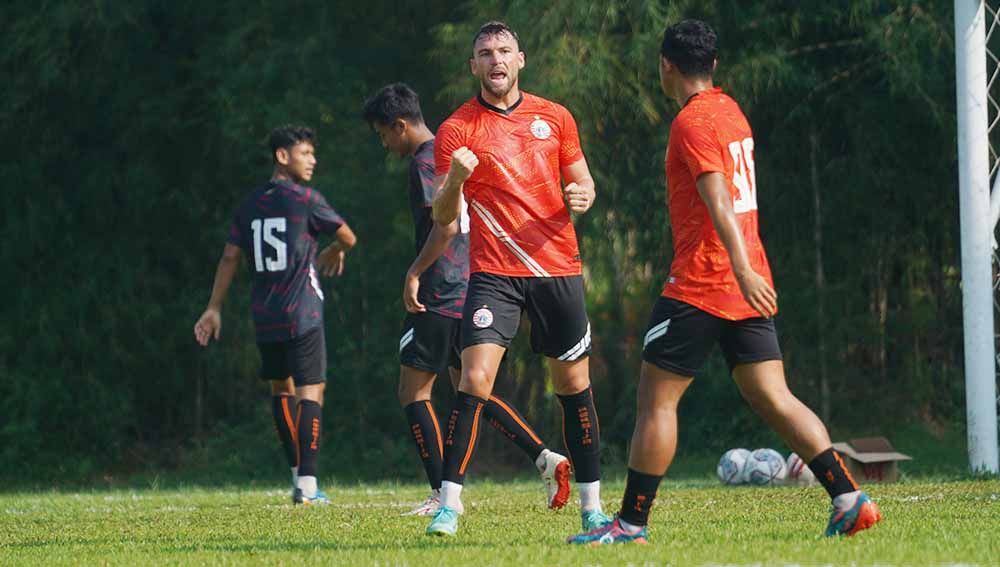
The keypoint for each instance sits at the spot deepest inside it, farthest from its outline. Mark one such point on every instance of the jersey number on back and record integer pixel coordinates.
(264, 231)
(744, 175)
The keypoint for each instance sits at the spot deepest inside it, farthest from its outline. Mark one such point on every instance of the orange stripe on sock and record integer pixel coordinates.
(513, 415)
(472, 440)
(288, 419)
(847, 472)
(298, 452)
(437, 428)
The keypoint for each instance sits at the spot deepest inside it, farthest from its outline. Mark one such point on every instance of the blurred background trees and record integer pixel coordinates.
(130, 130)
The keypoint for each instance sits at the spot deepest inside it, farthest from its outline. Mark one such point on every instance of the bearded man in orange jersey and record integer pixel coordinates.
(506, 154)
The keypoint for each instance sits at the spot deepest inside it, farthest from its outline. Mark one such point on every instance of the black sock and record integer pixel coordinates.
(427, 436)
(506, 419)
(832, 473)
(309, 422)
(281, 407)
(581, 434)
(463, 434)
(640, 491)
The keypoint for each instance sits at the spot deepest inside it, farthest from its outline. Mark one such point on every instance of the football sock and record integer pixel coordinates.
(451, 495)
(427, 436)
(640, 491)
(505, 419)
(590, 495)
(847, 500)
(295, 476)
(832, 473)
(307, 484)
(281, 408)
(581, 433)
(463, 434)
(309, 421)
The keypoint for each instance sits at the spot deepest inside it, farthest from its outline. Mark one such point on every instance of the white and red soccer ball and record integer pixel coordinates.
(799, 471)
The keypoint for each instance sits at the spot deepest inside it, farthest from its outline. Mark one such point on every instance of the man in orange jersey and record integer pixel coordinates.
(433, 294)
(719, 291)
(506, 153)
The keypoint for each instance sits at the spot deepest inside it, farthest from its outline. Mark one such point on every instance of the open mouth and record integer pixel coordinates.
(497, 75)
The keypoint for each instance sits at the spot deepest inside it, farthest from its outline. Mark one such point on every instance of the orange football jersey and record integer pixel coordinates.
(520, 225)
(711, 134)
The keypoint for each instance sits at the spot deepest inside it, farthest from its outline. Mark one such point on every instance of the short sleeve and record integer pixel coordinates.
(699, 147)
(569, 143)
(322, 218)
(449, 138)
(422, 181)
(236, 235)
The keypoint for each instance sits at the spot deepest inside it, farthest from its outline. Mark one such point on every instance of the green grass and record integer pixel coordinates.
(694, 522)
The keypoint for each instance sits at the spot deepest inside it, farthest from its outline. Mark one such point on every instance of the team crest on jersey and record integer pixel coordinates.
(540, 129)
(482, 318)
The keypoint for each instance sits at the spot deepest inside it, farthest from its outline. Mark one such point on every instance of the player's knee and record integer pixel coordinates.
(476, 380)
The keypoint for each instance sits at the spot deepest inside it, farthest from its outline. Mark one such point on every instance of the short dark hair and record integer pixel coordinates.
(492, 28)
(391, 103)
(691, 46)
(288, 136)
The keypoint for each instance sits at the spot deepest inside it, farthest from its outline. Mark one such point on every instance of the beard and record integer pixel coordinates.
(501, 90)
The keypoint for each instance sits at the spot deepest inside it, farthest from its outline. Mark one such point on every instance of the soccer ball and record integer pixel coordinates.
(730, 469)
(764, 466)
(798, 471)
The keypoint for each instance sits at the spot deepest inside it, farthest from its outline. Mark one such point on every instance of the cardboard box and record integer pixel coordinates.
(871, 459)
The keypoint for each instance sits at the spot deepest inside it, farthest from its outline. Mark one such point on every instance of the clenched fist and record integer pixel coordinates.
(463, 162)
(578, 198)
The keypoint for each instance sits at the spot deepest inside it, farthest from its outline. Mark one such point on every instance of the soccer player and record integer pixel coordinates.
(433, 294)
(719, 291)
(277, 226)
(505, 151)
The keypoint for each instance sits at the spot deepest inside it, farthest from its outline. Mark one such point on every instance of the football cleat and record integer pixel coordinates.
(594, 519)
(863, 515)
(611, 532)
(445, 522)
(426, 508)
(555, 475)
(320, 499)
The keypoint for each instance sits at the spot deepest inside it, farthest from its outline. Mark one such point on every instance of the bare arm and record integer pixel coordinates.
(210, 323)
(331, 260)
(448, 201)
(437, 243)
(755, 289)
(579, 192)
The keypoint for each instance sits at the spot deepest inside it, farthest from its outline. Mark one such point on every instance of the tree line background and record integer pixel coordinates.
(131, 130)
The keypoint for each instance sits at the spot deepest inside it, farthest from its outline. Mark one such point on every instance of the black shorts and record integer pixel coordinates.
(429, 341)
(680, 337)
(303, 358)
(555, 306)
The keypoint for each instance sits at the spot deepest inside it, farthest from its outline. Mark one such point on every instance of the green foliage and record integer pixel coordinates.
(131, 130)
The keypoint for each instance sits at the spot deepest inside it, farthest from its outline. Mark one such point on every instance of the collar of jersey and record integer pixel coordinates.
(504, 111)
(711, 90)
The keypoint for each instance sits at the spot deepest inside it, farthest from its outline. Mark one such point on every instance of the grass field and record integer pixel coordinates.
(694, 522)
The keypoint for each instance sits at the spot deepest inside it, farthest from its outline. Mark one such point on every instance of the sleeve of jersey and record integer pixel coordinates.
(570, 151)
(322, 218)
(422, 178)
(235, 235)
(449, 138)
(700, 148)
